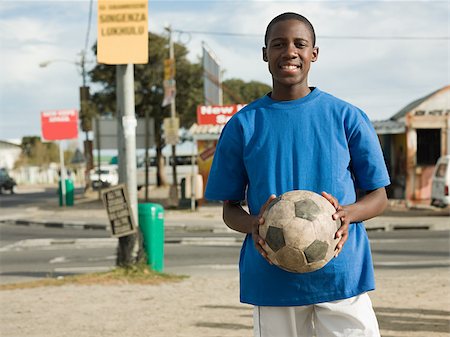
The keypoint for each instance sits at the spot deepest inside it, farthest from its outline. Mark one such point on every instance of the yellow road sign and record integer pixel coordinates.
(122, 32)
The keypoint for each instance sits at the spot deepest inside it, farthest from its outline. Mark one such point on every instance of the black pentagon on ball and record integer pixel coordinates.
(275, 238)
(316, 251)
(306, 209)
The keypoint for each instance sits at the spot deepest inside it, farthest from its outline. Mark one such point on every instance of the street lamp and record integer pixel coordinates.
(81, 63)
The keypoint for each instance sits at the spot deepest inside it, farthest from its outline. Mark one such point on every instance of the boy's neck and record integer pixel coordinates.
(290, 93)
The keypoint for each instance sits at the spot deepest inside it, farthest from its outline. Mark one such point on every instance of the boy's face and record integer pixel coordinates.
(289, 53)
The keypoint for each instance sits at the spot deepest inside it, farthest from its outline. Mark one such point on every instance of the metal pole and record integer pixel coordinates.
(174, 191)
(127, 156)
(99, 163)
(147, 145)
(193, 177)
(120, 139)
(126, 76)
(63, 174)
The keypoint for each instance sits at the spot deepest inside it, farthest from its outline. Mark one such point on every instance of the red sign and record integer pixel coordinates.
(216, 114)
(59, 124)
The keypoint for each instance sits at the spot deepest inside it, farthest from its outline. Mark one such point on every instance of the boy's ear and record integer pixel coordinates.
(264, 54)
(315, 54)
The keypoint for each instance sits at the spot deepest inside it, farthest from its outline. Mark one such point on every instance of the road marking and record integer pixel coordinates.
(55, 244)
(212, 241)
(234, 266)
(59, 259)
(83, 269)
(412, 263)
(405, 240)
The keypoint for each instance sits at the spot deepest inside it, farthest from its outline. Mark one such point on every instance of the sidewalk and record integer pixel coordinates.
(88, 213)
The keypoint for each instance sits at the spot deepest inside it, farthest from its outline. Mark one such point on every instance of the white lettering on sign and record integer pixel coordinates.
(217, 110)
(222, 119)
(59, 119)
(58, 113)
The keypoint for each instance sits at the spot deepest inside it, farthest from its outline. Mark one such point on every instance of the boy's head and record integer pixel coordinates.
(289, 51)
(290, 16)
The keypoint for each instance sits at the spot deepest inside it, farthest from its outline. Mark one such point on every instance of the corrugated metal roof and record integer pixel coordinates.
(389, 127)
(414, 104)
(5, 144)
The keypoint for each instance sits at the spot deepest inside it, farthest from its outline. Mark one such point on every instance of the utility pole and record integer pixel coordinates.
(127, 153)
(174, 189)
(86, 119)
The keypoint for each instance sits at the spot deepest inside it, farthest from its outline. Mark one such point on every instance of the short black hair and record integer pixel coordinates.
(290, 16)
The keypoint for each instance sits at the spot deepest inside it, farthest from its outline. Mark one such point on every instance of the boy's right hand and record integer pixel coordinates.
(258, 221)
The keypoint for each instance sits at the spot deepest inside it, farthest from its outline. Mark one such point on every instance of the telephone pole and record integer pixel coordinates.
(174, 189)
(127, 152)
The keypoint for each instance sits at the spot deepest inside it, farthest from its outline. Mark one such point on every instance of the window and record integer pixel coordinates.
(428, 146)
(442, 168)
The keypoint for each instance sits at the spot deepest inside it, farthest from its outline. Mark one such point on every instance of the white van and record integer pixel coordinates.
(441, 180)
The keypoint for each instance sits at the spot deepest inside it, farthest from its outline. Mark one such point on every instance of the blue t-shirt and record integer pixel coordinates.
(317, 143)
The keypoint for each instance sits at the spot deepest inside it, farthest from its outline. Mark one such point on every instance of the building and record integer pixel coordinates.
(9, 153)
(412, 141)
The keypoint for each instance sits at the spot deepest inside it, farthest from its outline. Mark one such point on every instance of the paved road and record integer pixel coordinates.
(35, 252)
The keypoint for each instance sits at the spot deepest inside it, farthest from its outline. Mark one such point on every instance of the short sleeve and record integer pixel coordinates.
(367, 160)
(228, 178)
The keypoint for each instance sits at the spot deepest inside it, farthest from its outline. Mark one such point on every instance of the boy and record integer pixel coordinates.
(298, 137)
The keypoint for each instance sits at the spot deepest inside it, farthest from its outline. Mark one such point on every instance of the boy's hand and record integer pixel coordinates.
(341, 214)
(258, 221)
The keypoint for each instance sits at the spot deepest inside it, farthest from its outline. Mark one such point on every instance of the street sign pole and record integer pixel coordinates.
(174, 189)
(127, 163)
(124, 43)
(63, 174)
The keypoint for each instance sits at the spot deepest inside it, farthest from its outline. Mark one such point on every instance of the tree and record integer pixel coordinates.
(237, 91)
(37, 153)
(149, 89)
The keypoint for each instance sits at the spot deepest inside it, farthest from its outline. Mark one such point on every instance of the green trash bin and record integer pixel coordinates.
(69, 193)
(151, 223)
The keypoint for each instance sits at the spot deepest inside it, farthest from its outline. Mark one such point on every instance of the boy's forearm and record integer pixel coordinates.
(237, 218)
(369, 206)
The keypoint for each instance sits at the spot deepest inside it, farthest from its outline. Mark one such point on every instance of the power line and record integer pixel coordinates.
(331, 37)
(88, 28)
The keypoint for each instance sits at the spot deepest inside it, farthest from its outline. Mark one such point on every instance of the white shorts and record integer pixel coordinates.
(352, 317)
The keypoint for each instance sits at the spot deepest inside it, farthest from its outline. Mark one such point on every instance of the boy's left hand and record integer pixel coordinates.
(341, 214)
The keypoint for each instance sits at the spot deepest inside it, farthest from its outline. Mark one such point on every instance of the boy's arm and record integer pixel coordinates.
(369, 206)
(239, 220)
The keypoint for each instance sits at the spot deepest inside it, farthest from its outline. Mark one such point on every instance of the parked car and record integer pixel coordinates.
(6, 182)
(440, 184)
(106, 176)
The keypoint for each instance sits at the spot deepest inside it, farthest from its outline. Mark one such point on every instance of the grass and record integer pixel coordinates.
(136, 274)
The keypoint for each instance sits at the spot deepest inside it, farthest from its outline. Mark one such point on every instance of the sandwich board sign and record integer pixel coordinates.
(115, 200)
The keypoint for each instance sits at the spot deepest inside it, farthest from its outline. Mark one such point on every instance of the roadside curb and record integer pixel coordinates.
(96, 226)
(53, 224)
(112, 242)
(377, 224)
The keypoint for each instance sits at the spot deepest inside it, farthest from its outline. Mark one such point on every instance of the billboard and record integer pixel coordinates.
(212, 83)
(59, 124)
(216, 114)
(108, 130)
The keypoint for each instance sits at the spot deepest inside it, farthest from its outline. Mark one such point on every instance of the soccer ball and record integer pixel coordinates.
(299, 231)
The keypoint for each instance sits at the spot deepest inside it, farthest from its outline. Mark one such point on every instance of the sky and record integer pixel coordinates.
(377, 55)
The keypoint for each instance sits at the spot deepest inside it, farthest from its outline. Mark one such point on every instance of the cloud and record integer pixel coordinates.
(380, 76)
